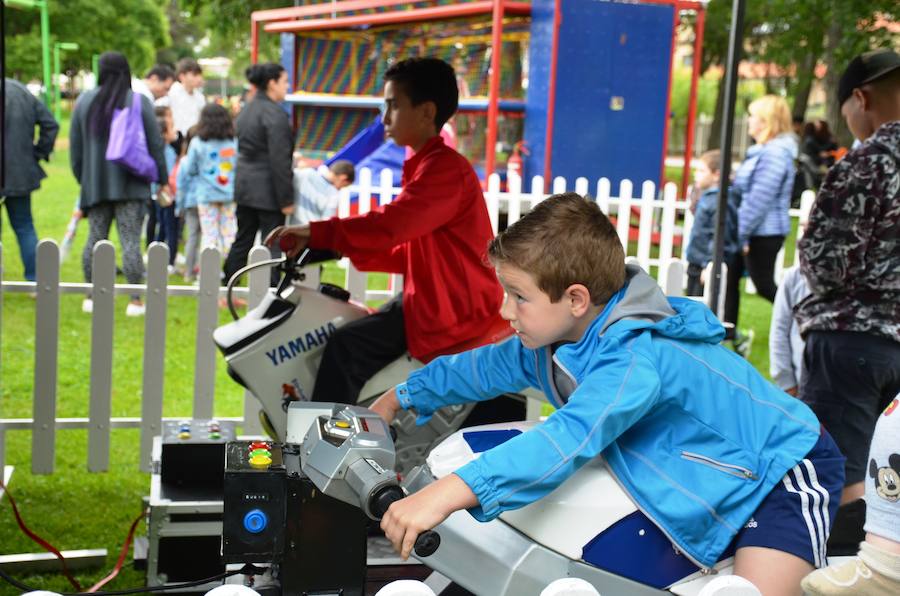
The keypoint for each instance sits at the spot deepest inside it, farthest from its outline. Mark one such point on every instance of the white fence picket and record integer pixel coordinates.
(258, 283)
(207, 321)
(514, 202)
(582, 186)
(559, 185)
(671, 276)
(667, 225)
(537, 192)
(623, 212)
(492, 196)
(645, 229)
(364, 201)
(102, 322)
(46, 352)
(603, 189)
(154, 349)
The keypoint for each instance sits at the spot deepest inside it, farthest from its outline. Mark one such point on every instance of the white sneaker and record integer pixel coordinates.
(135, 310)
(87, 305)
(171, 270)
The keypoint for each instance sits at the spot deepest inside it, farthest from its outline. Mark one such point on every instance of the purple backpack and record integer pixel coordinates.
(127, 144)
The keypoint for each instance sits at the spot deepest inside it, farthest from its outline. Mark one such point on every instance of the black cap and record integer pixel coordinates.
(865, 68)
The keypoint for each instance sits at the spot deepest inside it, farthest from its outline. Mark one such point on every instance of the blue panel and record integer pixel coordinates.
(364, 143)
(482, 440)
(606, 50)
(287, 61)
(540, 46)
(635, 548)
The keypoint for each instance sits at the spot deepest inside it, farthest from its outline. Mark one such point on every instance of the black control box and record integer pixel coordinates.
(274, 513)
(193, 453)
(254, 499)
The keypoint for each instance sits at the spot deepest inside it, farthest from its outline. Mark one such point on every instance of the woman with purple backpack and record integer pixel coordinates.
(112, 189)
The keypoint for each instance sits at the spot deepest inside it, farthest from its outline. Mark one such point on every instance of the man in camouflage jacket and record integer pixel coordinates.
(850, 256)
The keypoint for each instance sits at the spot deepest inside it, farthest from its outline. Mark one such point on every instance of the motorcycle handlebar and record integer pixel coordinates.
(427, 542)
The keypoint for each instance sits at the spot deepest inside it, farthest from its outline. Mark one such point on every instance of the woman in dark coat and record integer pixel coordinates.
(263, 182)
(108, 190)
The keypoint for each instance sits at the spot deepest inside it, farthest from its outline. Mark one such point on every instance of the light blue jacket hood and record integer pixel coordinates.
(655, 393)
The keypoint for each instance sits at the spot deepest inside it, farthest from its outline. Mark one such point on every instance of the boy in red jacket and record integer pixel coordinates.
(434, 233)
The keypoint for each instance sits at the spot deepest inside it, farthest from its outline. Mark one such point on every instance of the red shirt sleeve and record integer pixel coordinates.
(392, 261)
(427, 202)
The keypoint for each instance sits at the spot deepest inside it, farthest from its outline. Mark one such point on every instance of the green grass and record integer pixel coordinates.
(75, 509)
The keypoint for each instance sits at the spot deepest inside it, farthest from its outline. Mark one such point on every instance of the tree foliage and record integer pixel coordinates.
(797, 34)
(134, 27)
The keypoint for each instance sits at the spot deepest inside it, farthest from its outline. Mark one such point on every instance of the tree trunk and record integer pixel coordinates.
(805, 76)
(832, 109)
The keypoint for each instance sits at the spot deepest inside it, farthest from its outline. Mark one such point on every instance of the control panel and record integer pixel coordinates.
(254, 499)
(193, 454)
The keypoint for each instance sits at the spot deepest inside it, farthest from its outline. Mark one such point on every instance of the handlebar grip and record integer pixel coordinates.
(427, 542)
(287, 243)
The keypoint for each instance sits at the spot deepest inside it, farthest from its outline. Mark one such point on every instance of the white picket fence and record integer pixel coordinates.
(666, 216)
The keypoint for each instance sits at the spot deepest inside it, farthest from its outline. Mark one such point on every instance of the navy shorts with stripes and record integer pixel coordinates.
(796, 517)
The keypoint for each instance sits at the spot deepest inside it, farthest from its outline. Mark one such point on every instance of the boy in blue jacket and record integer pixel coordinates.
(710, 451)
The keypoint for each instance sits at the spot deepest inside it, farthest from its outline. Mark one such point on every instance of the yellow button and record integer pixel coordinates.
(184, 435)
(260, 462)
(342, 424)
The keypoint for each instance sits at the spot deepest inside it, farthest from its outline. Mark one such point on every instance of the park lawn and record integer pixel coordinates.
(72, 508)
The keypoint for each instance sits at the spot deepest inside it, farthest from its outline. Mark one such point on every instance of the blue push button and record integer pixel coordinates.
(255, 521)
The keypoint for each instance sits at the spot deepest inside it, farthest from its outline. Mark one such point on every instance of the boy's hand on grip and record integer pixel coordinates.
(387, 405)
(291, 239)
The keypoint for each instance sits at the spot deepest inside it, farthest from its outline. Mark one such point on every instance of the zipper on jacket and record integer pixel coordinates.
(739, 471)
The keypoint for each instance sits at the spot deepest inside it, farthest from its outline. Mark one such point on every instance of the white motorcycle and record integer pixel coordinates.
(587, 528)
(274, 351)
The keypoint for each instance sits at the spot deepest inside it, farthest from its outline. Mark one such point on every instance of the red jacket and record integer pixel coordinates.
(436, 234)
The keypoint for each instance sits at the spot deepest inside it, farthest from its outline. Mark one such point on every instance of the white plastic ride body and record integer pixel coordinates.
(523, 550)
(276, 348)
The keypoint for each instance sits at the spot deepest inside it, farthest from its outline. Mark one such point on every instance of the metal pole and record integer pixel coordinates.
(494, 89)
(45, 49)
(692, 101)
(57, 96)
(731, 79)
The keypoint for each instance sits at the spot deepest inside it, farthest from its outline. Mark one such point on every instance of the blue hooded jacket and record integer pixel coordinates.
(700, 245)
(764, 182)
(689, 429)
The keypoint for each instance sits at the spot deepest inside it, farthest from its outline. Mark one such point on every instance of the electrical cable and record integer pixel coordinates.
(122, 554)
(43, 543)
(247, 569)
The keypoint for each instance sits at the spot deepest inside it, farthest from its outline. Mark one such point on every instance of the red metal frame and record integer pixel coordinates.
(490, 146)
(435, 13)
(668, 112)
(700, 8)
(551, 94)
(699, 28)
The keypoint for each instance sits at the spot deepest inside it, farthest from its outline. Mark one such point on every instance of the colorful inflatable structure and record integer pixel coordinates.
(584, 83)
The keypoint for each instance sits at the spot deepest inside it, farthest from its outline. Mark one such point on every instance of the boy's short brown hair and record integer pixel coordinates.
(564, 240)
(343, 167)
(712, 159)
